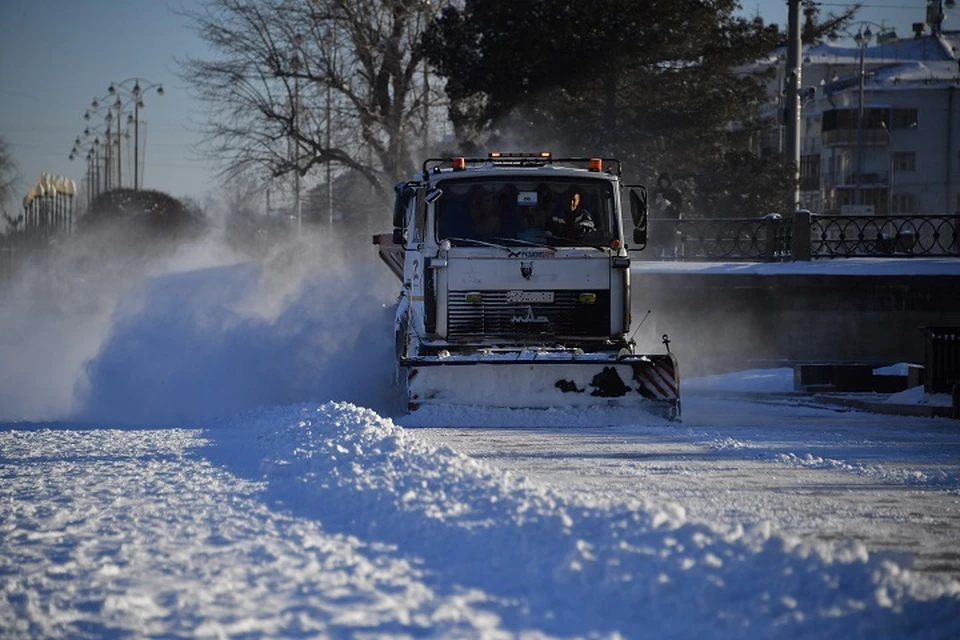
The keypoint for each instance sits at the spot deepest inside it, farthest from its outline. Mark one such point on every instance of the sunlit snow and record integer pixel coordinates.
(217, 452)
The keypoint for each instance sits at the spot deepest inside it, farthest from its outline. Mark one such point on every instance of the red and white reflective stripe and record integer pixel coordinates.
(669, 379)
(653, 383)
(660, 381)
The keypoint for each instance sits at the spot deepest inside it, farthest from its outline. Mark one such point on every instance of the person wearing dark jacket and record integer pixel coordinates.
(573, 222)
(668, 201)
(667, 198)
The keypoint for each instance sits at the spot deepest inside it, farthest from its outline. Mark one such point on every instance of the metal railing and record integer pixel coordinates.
(758, 239)
(862, 236)
(803, 236)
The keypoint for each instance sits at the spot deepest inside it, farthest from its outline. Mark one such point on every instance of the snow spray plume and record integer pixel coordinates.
(711, 327)
(55, 310)
(308, 321)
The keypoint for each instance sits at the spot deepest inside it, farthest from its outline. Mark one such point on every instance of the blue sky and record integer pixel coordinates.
(57, 55)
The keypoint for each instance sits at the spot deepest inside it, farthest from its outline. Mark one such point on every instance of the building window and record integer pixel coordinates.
(904, 118)
(809, 173)
(905, 203)
(905, 161)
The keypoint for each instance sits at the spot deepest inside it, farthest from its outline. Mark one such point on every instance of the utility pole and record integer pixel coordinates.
(792, 101)
(296, 63)
(329, 133)
(297, 202)
(426, 109)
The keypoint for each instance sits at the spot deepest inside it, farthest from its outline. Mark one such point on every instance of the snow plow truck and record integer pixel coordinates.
(515, 286)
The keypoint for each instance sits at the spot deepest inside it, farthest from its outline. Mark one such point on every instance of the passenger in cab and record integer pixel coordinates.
(484, 213)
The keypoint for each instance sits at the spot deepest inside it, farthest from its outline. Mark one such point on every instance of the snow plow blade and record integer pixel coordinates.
(537, 380)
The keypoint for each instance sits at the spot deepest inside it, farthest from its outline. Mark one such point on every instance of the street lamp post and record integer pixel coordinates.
(91, 137)
(891, 167)
(792, 98)
(295, 65)
(862, 39)
(118, 105)
(91, 153)
(136, 93)
(101, 104)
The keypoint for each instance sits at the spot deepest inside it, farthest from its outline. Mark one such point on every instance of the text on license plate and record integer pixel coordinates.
(529, 296)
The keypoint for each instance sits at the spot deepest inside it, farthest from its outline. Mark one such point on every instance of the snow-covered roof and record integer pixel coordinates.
(928, 49)
(924, 49)
(951, 39)
(908, 75)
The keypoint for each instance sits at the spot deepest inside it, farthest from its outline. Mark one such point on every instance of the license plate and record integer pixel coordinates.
(529, 296)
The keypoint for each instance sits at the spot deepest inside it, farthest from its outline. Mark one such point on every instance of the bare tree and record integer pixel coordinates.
(297, 84)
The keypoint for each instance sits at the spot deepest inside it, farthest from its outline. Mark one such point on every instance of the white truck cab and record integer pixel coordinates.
(519, 259)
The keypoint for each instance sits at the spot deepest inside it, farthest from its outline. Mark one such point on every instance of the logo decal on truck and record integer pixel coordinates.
(526, 270)
(530, 318)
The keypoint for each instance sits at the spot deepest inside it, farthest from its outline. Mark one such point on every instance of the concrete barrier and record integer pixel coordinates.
(727, 321)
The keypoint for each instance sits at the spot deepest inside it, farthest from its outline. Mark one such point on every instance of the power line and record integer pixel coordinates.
(872, 6)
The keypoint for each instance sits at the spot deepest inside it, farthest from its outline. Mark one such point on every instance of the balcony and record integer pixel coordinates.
(848, 137)
(866, 179)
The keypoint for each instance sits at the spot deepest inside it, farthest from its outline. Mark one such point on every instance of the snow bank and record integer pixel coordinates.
(562, 566)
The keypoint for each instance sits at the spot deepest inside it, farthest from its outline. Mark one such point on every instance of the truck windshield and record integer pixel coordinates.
(556, 212)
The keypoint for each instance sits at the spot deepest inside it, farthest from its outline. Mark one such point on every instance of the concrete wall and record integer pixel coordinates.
(724, 322)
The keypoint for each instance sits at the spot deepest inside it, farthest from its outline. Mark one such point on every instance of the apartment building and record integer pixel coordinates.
(880, 126)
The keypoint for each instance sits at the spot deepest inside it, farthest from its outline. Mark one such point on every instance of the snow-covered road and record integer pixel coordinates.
(889, 483)
(107, 533)
(331, 521)
(163, 475)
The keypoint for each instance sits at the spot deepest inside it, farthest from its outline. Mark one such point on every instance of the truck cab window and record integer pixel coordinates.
(559, 212)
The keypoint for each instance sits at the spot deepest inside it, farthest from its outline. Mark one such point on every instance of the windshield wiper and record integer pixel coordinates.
(527, 243)
(577, 244)
(574, 244)
(482, 243)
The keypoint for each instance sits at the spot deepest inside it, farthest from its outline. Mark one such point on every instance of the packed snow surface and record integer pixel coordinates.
(191, 490)
(332, 520)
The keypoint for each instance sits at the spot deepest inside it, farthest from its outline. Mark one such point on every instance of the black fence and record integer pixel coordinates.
(759, 239)
(852, 236)
(942, 361)
(804, 236)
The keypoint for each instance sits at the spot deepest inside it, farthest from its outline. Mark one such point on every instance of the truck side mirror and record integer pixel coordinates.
(638, 211)
(404, 192)
(433, 195)
(639, 239)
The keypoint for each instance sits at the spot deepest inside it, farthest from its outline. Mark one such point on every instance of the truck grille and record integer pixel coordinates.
(495, 316)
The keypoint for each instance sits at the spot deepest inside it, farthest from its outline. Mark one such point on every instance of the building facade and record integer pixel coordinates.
(880, 126)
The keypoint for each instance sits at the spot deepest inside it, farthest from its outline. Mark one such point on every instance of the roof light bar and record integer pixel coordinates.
(543, 155)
